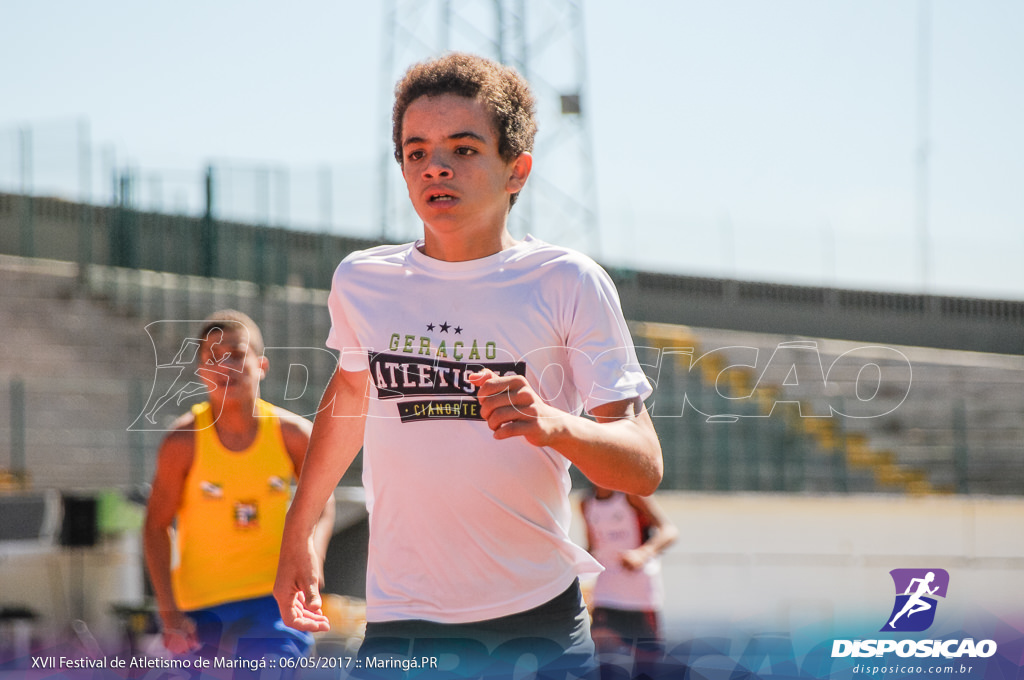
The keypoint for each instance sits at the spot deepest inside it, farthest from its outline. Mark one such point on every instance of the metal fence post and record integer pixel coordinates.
(700, 443)
(208, 233)
(798, 468)
(723, 457)
(751, 442)
(137, 444)
(27, 207)
(18, 467)
(85, 194)
(85, 217)
(779, 459)
(961, 452)
(840, 473)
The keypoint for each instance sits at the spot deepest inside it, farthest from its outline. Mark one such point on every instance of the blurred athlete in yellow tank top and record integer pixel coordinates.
(223, 479)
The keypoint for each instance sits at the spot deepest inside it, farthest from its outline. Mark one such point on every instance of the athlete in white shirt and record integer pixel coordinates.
(466, 361)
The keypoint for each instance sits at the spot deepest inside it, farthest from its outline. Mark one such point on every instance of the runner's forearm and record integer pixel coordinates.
(334, 443)
(622, 454)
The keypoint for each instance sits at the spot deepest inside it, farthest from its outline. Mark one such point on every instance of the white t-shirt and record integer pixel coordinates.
(615, 527)
(464, 527)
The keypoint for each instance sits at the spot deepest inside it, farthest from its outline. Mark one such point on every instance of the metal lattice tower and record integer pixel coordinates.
(544, 41)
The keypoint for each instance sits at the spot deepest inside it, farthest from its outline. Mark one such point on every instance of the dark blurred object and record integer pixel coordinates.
(29, 517)
(79, 528)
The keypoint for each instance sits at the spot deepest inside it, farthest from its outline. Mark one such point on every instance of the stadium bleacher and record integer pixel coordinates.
(736, 411)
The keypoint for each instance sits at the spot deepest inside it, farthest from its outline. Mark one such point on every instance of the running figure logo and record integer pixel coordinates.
(914, 609)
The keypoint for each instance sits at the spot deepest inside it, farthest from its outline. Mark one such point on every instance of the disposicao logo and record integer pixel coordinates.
(912, 612)
(916, 590)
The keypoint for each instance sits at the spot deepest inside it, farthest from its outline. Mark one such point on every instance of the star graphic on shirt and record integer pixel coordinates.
(430, 326)
(458, 330)
(445, 327)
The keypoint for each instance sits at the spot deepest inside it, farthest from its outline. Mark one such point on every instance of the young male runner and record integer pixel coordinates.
(224, 475)
(466, 359)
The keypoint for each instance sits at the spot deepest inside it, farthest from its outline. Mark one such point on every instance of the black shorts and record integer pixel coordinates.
(632, 627)
(553, 637)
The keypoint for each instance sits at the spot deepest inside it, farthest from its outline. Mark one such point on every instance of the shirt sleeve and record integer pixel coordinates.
(342, 336)
(603, 360)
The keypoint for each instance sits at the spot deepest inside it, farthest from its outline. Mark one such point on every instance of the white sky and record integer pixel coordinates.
(763, 139)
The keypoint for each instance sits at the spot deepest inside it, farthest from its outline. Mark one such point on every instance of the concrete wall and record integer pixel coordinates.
(744, 564)
(870, 316)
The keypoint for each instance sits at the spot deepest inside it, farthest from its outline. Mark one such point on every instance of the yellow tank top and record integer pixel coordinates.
(232, 513)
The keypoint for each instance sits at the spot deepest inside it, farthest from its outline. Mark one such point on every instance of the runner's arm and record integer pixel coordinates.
(663, 534)
(334, 443)
(174, 459)
(296, 432)
(618, 449)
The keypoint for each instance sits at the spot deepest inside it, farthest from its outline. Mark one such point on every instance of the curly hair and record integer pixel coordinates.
(501, 89)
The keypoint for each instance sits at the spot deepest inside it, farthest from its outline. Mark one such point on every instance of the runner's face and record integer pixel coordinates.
(455, 175)
(228, 366)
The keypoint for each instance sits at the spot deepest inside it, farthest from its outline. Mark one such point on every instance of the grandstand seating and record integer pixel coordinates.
(87, 362)
(735, 410)
(845, 416)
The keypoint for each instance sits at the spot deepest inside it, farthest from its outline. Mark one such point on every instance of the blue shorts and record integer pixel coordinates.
(250, 629)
